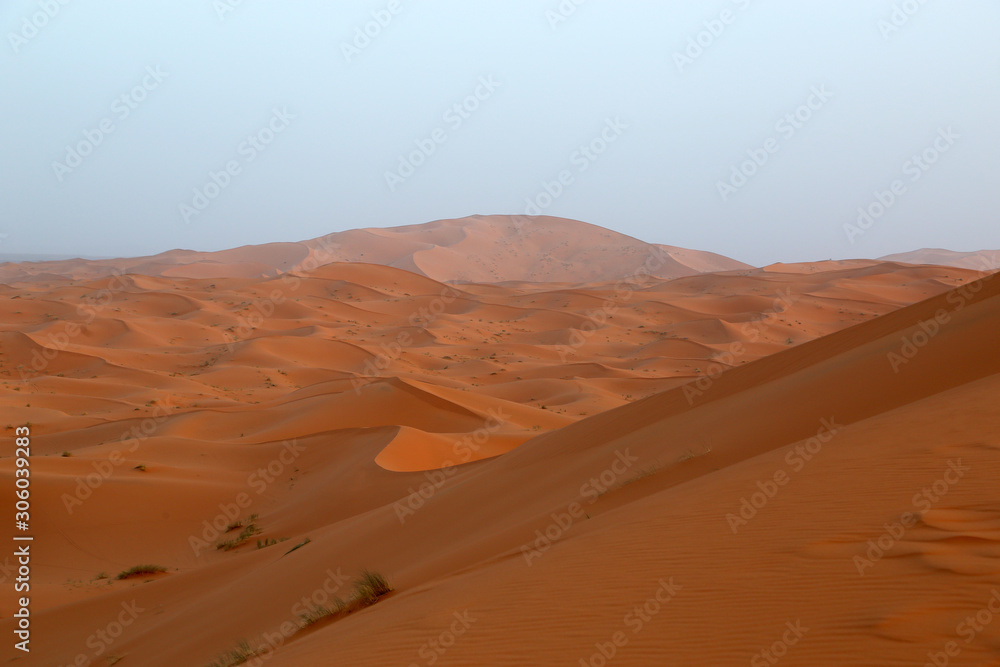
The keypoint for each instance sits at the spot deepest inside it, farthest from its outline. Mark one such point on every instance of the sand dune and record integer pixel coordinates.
(377, 418)
(981, 260)
(673, 521)
(481, 249)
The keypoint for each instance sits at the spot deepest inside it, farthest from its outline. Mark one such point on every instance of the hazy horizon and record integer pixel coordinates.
(144, 128)
(40, 257)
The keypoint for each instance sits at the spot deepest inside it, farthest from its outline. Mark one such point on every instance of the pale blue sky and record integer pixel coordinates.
(197, 82)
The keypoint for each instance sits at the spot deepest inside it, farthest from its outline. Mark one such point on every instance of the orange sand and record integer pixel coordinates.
(427, 431)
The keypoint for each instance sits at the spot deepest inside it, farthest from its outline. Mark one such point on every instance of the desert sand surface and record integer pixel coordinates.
(980, 260)
(704, 463)
(493, 248)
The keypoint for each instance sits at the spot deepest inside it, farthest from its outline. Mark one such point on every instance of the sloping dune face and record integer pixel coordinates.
(493, 248)
(832, 504)
(502, 248)
(522, 460)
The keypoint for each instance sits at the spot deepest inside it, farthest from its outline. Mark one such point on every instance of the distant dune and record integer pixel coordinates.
(33, 257)
(483, 249)
(519, 248)
(980, 260)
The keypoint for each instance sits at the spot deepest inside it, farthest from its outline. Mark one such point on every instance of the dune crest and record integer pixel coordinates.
(981, 260)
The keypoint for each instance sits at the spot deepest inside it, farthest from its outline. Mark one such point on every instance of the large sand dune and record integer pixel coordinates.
(525, 461)
(493, 248)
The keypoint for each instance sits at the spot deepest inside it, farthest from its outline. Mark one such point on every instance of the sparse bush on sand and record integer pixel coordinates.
(236, 656)
(140, 570)
(368, 589)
